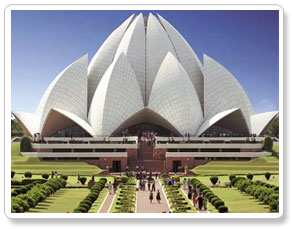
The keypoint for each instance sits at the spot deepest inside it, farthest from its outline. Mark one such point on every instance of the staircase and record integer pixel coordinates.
(146, 160)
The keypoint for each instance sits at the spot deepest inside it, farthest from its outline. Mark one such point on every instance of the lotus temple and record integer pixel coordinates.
(145, 78)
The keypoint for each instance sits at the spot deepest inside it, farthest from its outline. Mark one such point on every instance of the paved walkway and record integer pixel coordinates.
(143, 203)
(199, 211)
(105, 208)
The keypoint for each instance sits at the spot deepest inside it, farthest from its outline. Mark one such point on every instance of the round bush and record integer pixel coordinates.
(25, 144)
(28, 174)
(83, 180)
(231, 177)
(86, 206)
(268, 144)
(214, 199)
(218, 203)
(213, 180)
(45, 176)
(124, 179)
(64, 177)
(12, 174)
(267, 175)
(249, 176)
(222, 209)
(81, 209)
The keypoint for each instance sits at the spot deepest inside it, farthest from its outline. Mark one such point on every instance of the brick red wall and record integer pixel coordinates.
(159, 153)
(102, 163)
(132, 153)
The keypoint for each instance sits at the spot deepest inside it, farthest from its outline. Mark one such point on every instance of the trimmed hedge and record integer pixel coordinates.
(223, 209)
(214, 179)
(83, 180)
(268, 144)
(264, 192)
(12, 174)
(36, 194)
(85, 205)
(27, 174)
(45, 176)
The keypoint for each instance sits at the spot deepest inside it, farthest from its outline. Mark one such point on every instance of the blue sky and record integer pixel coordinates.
(45, 42)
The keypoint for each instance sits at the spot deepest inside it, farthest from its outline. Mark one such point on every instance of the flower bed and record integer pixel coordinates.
(125, 197)
(178, 201)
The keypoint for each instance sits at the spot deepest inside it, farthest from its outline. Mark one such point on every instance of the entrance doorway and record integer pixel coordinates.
(116, 166)
(176, 165)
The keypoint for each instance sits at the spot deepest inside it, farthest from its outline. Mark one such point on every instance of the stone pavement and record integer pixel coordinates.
(143, 203)
(107, 203)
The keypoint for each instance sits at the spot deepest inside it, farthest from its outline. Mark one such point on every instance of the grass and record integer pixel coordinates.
(63, 201)
(238, 202)
(21, 164)
(222, 179)
(255, 166)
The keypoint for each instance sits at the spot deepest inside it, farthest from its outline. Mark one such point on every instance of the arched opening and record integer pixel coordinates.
(143, 121)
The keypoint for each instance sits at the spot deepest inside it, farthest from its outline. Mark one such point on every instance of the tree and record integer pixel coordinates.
(268, 144)
(273, 129)
(25, 144)
(16, 129)
(249, 176)
(213, 180)
(83, 180)
(267, 175)
(45, 176)
(27, 174)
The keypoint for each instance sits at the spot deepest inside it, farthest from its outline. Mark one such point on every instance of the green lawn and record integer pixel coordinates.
(21, 164)
(238, 202)
(63, 201)
(274, 179)
(255, 166)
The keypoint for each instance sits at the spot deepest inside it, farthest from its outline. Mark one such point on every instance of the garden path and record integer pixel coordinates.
(143, 203)
(107, 203)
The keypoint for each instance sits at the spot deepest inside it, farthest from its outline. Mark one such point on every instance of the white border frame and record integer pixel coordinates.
(7, 146)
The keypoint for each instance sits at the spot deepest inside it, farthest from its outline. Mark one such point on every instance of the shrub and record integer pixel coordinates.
(231, 177)
(268, 144)
(214, 199)
(83, 180)
(124, 179)
(222, 209)
(86, 206)
(213, 180)
(81, 209)
(267, 175)
(64, 177)
(12, 174)
(25, 144)
(218, 203)
(45, 176)
(27, 174)
(249, 176)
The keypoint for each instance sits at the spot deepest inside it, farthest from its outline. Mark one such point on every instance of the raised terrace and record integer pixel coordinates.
(172, 154)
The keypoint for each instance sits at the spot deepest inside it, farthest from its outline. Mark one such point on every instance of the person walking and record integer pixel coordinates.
(149, 183)
(151, 197)
(195, 195)
(200, 201)
(158, 197)
(185, 184)
(156, 175)
(110, 188)
(153, 186)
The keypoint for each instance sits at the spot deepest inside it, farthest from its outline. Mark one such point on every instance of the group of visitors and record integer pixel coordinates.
(37, 138)
(199, 199)
(112, 187)
(148, 138)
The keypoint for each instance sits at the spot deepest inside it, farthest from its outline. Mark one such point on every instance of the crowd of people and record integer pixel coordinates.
(195, 195)
(148, 137)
